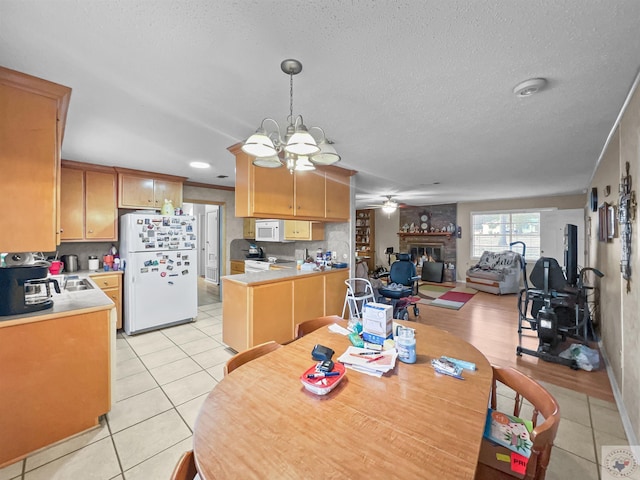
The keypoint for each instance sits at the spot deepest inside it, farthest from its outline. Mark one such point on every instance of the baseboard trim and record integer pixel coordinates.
(617, 394)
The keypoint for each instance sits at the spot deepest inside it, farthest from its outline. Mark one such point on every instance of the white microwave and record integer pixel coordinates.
(270, 231)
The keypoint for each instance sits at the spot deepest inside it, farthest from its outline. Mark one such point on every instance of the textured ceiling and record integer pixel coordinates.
(412, 92)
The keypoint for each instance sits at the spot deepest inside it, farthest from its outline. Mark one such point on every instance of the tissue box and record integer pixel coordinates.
(377, 319)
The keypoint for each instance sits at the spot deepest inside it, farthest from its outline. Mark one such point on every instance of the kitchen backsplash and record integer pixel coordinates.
(83, 250)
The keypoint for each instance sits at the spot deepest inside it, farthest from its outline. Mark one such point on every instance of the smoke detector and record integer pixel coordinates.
(529, 87)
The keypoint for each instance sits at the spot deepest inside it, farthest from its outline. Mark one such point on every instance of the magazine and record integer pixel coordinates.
(509, 431)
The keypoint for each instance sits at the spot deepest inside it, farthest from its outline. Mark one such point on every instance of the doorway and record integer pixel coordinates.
(208, 245)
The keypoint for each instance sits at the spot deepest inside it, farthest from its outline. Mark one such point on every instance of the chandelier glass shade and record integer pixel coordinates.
(298, 150)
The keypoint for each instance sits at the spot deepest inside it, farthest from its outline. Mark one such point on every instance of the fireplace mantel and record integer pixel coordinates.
(433, 234)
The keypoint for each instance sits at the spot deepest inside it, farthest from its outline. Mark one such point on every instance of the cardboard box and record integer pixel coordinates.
(377, 319)
(376, 339)
(502, 459)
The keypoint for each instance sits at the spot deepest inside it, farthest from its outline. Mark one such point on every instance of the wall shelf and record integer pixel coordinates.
(365, 236)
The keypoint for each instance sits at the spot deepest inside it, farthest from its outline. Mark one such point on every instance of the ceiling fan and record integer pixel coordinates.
(389, 205)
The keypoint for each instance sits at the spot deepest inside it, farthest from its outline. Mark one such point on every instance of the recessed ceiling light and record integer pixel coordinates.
(529, 87)
(199, 165)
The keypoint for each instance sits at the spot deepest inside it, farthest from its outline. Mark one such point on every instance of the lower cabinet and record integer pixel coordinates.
(58, 383)
(237, 266)
(111, 285)
(261, 312)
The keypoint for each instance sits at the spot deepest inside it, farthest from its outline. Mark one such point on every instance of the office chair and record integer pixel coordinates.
(542, 436)
(402, 284)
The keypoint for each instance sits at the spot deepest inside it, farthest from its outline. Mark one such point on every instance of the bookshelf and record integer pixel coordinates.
(365, 237)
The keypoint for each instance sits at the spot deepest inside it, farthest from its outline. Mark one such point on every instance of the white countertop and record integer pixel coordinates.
(66, 303)
(269, 276)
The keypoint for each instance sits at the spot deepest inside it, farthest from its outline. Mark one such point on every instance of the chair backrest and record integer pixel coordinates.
(185, 469)
(557, 280)
(543, 403)
(314, 324)
(402, 270)
(251, 354)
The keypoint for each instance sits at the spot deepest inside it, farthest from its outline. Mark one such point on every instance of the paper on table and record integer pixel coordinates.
(335, 328)
(376, 364)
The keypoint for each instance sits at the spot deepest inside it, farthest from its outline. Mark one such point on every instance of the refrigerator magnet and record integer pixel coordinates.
(147, 263)
(163, 261)
(185, 272)
(155, 269)
(155, 263)
(170, 260)
(144, 270)
(189, 228)
(163, 274)
(173, 274)
(185, 257)
(140, 222)
(165, 221)
(169, 267)
(147, 221)
(170, 282)
(178, 263)
(186, 264)
(178, 254)
(151, 233)
(150, 245)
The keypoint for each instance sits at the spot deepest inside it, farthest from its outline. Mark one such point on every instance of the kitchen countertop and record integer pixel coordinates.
(66, 303)
(271, 276)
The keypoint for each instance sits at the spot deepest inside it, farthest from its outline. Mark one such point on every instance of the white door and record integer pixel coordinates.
(212, 246)
(552, 225)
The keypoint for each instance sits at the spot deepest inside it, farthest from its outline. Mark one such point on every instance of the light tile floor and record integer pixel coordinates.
(163, 377)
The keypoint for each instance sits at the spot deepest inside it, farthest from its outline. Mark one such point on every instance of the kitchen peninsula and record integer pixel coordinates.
(264, 306)
(56, 374)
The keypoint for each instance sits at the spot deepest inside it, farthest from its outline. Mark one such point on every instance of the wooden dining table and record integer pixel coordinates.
(260, 422)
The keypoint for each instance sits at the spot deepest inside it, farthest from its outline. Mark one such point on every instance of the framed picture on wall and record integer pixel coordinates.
(603, 222)
(611, 221)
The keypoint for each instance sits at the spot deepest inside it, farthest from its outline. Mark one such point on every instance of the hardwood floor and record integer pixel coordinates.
(490, 323)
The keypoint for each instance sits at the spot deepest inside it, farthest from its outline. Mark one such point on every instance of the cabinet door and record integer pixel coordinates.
(249, 228)
(71, 204)
(135, 192)
(334, 292)
(271, 312)
(291, 229)
(101, 212)
(167, 190)
(272, 192)
(308, 298)
(309, 194)
(30, 170)
(116, 297)
(337, 193)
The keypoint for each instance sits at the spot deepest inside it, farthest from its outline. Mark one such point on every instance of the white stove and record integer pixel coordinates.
(253, 266)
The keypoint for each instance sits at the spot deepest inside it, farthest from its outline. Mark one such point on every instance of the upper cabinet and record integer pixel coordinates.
(249, 228)
(32, 118)
(321, 194)
(139, 189)
(88, 202)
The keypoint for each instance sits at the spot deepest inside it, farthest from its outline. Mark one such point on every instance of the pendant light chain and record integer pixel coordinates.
(291, 98)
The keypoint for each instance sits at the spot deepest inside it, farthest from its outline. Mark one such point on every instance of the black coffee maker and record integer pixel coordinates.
(25, 288)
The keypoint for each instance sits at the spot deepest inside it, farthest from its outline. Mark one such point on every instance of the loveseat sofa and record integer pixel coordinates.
(496, 272)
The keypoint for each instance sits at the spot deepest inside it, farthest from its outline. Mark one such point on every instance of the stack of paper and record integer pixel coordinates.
(369, 361)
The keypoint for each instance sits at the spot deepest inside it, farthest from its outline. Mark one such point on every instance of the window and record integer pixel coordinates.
(494, 231)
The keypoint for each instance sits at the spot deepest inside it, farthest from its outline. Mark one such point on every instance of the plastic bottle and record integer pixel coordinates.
(319, 257)
(406, 345)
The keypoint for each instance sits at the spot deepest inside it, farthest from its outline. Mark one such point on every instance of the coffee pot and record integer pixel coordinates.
(24, 289)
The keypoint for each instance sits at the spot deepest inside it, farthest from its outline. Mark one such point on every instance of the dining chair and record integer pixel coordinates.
(250, 354)
(543, 434)
(308, 326)
(185, 469)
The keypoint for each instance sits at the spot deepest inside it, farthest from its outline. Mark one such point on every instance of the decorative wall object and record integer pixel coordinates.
(626, 215)
(603, 223)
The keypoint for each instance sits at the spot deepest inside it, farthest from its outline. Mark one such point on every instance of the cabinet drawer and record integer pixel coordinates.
(106, 281)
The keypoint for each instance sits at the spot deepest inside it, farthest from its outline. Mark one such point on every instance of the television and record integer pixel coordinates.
(571, 253)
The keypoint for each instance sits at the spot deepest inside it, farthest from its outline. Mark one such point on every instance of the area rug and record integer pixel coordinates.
(429, 292)
(454, 300)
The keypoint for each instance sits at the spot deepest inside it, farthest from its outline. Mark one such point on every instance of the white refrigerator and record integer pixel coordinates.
(160, 270)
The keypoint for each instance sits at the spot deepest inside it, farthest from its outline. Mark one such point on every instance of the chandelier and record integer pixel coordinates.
(298, 150)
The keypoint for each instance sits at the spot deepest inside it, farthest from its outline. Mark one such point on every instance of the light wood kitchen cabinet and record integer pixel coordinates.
(338, 195)
(88, 203)
(303, 230)
(276, 193)
(111, 285)
(261, 311)
(249, 228)
(58, 383)
(237, 267)
(32, 119)
(139, 189)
